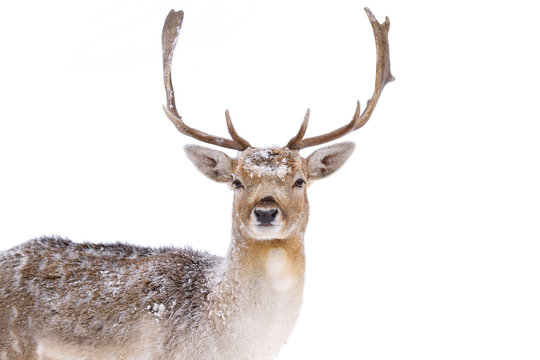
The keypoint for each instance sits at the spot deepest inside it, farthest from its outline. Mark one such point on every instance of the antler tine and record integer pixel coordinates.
(169, 38)
(301, 132)
(382, 77)
(232, 131)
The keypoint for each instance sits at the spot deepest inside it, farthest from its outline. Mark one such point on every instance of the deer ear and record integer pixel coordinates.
(217, 165)
(325, 161)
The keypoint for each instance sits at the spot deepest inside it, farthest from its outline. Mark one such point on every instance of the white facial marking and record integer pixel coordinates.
(265, 232)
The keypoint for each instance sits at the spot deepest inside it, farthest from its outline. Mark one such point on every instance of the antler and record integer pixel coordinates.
(169, 38)
(382, 77)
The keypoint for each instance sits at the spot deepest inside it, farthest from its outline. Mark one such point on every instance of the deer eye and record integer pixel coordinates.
(299, 183)
(237, 184)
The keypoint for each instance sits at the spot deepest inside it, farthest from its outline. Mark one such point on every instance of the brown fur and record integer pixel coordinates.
(65, 300)
(91, 294)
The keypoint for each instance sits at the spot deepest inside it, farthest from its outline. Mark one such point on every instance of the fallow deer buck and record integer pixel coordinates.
(65, 300)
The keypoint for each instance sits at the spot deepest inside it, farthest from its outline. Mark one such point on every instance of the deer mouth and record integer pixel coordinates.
(266, 219)
(265, 225)
(265, 231)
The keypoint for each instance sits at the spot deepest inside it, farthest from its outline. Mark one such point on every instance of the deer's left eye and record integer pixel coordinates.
(237, 184)
(299, 183)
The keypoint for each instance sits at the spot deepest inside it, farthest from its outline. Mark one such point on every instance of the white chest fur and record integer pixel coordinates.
(279, 270)
(269, 308)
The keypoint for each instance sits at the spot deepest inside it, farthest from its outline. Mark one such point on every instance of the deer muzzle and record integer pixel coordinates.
(266, 212)
(265, 217)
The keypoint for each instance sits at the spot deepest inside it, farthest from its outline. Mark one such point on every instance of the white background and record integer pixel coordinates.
(424, 246)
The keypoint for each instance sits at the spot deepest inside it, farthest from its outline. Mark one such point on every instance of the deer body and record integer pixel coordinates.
(88, 301)
(64, 300)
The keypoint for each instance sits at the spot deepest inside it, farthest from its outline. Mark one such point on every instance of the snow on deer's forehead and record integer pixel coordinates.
(274, 162)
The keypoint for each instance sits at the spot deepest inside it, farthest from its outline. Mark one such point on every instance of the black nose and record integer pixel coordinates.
(266, 217)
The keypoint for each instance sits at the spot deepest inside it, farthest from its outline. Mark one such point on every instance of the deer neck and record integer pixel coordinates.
(274, 266)
(258, 294)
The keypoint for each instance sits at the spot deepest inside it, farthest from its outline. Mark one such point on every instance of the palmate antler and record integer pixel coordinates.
(169, 38)
(171, 31)
(382, 77)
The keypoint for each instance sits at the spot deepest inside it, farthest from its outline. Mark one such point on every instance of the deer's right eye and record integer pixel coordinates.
(237, 184)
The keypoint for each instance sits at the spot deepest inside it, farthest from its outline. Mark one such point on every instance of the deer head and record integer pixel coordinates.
(270, 200)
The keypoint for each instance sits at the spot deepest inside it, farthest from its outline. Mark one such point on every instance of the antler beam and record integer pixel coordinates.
(169, 38)
(382, 77)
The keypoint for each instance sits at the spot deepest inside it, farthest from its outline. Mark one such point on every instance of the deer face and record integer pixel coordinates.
(270, 200)
(269, 184)
(270, 192)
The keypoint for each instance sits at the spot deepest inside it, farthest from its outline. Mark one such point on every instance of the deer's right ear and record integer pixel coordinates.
(217, 165)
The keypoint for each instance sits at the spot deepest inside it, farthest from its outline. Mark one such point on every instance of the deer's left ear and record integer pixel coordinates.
(327, 160)
(217, 165)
